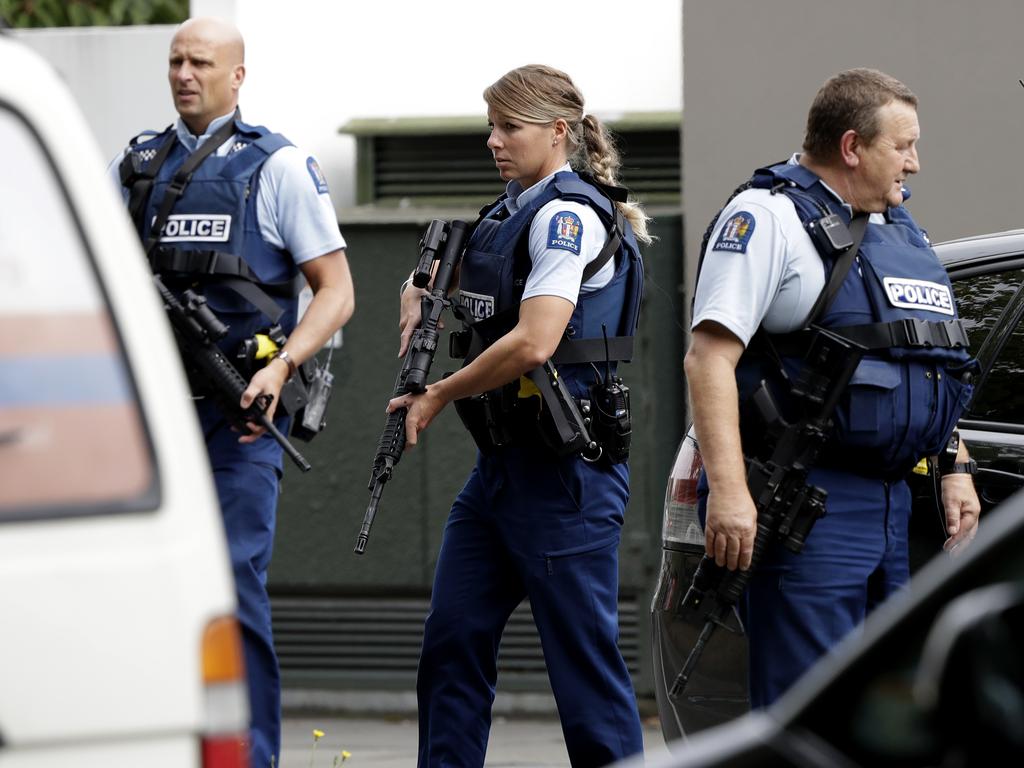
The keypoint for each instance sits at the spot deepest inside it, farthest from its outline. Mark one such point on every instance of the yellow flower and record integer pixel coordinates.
(345, 755)
(317, 733)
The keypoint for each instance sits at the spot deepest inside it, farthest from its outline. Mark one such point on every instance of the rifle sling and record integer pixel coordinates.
(184, 175)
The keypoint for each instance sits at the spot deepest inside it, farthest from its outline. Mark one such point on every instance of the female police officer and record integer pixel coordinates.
(532, 520)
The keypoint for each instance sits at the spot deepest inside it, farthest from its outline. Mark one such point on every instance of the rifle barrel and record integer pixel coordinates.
(371, 511)
(679, 684)
(286, 445)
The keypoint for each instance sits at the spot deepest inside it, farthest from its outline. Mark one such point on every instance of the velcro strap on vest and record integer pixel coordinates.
(220, 264)
(231, 271)
(909, 332)
(593, 350)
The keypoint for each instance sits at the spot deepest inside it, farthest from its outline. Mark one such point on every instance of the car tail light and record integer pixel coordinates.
(226, 717)
(680, 524)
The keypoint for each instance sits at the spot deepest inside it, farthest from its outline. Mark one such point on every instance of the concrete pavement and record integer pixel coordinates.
(384, 741)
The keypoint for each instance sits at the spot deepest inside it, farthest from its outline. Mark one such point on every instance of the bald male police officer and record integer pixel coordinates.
(264, 208)
(761, 276)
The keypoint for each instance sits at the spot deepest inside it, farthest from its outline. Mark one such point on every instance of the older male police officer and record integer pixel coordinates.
(761, 276)
(264, 208)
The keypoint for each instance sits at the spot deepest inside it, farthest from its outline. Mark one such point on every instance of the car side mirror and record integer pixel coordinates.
(970, 682)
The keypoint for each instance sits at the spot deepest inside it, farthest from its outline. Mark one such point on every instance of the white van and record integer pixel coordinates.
(118, 645)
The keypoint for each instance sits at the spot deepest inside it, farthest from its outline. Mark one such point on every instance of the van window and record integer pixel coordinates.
(72, 439)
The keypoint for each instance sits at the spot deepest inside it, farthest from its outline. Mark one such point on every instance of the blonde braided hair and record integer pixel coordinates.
(539, 94)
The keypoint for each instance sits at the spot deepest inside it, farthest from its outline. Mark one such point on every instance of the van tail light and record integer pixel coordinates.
(680, 524)
(225, 731)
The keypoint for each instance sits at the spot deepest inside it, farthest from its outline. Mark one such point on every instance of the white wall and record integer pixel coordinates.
(117, 74)
(312, 65)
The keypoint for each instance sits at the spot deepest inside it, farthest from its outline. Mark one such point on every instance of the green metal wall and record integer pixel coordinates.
(320, 512)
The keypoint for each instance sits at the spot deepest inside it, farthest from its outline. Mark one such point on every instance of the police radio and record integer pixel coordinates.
(610, 424)
(831, 236)
(313, 418)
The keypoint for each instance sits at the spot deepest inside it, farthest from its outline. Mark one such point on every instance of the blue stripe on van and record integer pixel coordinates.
(66, 380)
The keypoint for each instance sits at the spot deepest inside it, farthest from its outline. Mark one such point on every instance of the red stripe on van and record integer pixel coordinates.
(69, 455)
(52, 334)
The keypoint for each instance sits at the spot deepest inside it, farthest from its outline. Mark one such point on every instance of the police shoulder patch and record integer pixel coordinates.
(318, 176)
(565, 231)
(735, 233)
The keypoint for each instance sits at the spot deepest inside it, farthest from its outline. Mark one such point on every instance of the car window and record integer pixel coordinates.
(1001, 397)
(72, 440)
(981, 300)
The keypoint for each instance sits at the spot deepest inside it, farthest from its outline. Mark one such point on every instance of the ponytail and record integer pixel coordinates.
(596, 153)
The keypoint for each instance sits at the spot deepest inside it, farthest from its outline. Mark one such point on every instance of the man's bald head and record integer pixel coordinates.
(207, 68)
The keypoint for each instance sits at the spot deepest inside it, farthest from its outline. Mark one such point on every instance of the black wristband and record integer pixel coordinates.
(947, 457)
(969, 467)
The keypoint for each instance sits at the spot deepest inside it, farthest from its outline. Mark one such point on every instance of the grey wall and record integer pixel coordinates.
(752, 68)
(117, 74)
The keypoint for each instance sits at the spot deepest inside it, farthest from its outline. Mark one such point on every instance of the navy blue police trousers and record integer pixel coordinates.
(248, 494)
(527, 525)
(797, 607)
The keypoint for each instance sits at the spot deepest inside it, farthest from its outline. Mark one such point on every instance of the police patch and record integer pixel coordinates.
(918, 294)
(735, 233)
(196, 228)
(318, 176)
(480, 305)
(565, 231)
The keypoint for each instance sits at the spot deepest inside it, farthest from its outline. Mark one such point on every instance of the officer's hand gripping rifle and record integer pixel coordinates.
(197, 330)
(420, 354)
(787, 507)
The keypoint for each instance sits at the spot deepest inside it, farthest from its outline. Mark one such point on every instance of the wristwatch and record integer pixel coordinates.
(969, 467)
(282, 354)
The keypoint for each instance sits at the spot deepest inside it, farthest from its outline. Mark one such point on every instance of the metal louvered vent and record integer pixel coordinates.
(375, 642)
(432, 167)
(428, 169)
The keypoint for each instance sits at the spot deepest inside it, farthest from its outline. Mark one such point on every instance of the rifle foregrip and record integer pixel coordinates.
(224, 377)
(392, 438)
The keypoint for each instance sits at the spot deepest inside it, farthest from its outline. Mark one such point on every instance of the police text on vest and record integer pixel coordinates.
(480, 306)
(197, 227)
(918, 294)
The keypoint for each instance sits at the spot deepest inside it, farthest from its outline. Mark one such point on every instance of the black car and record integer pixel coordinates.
(988, 279)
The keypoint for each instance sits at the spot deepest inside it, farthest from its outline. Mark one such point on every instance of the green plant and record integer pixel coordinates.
(92, 13)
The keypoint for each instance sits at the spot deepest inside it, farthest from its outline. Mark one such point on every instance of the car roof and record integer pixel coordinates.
(980, 248)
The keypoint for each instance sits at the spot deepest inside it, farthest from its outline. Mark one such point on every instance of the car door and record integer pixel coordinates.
(991, 299)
